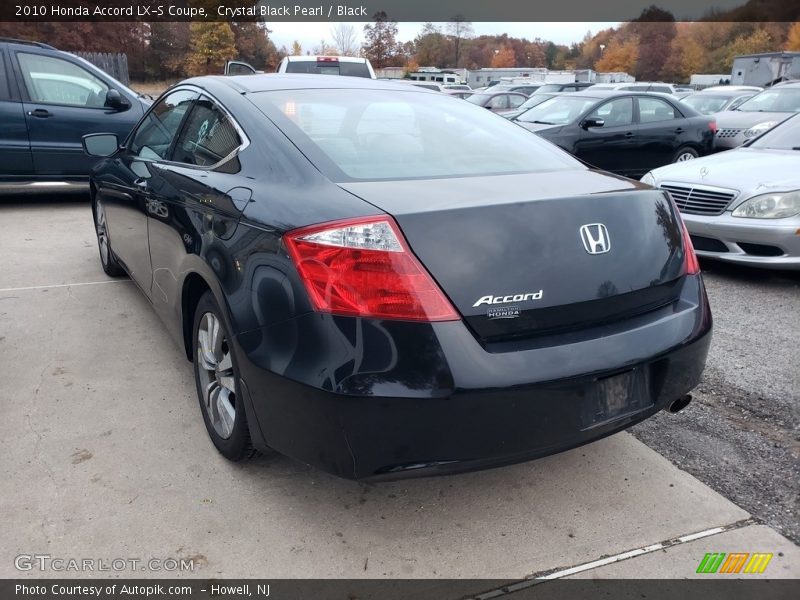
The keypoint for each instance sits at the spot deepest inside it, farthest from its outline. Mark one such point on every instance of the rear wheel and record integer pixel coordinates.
(107, 258)
(684, 154)
(217, 378)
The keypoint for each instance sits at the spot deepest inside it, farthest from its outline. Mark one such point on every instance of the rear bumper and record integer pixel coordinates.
(417, 399)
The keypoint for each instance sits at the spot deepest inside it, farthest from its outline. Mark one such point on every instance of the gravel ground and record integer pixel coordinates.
(741, 434)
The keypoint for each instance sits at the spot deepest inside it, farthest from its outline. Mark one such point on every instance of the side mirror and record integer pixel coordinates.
(116, 101)
(100, 145)
(592, 122)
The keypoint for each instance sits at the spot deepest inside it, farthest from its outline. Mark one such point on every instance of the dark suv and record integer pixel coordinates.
(48, 101)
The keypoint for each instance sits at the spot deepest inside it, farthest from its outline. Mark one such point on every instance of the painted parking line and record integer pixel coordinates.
(561, 573)
(62, 285)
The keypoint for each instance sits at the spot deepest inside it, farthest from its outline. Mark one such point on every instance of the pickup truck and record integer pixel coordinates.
(48, 101)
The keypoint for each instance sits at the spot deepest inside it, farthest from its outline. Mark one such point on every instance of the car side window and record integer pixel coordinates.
(156, 132)
(208, 136)
(57, 81)
(615, 113)
(652, 110)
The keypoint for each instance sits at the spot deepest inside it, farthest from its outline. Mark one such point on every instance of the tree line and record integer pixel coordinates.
(652, 47)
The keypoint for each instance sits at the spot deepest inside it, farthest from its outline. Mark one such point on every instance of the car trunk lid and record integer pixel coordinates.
(523, 255)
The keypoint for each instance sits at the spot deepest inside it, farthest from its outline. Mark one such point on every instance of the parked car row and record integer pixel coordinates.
(628, 133)
(49, 100)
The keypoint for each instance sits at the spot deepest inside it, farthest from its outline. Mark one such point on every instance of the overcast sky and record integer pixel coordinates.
(310, 34)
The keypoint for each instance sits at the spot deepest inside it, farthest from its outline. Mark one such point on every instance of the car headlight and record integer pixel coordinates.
(770, 206)
(648, 179)
(759, 129)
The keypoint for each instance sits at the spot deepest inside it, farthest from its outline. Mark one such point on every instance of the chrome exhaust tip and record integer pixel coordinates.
(680, 404)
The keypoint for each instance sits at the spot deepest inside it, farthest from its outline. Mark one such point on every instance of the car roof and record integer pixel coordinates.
(725, 93)
(590, 92)
(248, 84)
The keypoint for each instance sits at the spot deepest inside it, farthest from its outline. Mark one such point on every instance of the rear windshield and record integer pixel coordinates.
(705, 103)
(352, 69)
(369, 134)
(775, 100)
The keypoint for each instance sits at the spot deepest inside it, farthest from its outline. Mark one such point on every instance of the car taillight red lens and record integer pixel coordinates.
(690, 262)
(364, 268)
(327, 59)
(712, 125)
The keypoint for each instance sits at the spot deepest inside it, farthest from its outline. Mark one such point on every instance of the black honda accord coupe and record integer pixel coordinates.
(383, 281)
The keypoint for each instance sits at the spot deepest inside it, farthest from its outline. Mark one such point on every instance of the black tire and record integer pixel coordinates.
(684, 153)
(108, 260)
(236, 445)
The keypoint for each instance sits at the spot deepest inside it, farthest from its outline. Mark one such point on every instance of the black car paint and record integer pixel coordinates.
(42, 141)
(632, 149)
(365, 398)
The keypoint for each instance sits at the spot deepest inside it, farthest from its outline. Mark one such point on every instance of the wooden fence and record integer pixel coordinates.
(115, 65)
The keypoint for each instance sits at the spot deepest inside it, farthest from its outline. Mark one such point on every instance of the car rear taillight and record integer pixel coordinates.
(364, 268)
(712, 125)
(690, 263)
(327, 59)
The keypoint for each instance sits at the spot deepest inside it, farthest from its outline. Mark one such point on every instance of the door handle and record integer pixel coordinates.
(629, 134)
(679, 130)
(40, 113)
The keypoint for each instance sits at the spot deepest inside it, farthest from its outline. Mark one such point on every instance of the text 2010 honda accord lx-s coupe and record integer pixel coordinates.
(384, 281)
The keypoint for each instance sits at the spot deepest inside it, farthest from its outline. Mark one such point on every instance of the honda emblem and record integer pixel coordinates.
(595, 238)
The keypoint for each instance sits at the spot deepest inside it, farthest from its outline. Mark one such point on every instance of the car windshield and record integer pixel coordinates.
(369, 134)
(479, 99)
(534, 100)
(785, 136)
(559, 110)
(774, 100)
(549, 87)
(706, 103)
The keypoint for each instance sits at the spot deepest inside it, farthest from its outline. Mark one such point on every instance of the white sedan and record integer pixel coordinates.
(742, 206)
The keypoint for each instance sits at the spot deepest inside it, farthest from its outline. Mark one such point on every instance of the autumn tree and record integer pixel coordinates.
(380, 41)
(459, 29)
(619, 56)
(504, 57)
(345, 39)
(169, 46)
(793, 39)
(253, 44)
(211, 45)
(431, 47)
(655, 29)
(297, 48)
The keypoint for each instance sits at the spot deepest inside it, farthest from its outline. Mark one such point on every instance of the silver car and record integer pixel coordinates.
(756, 115)
(742, 206)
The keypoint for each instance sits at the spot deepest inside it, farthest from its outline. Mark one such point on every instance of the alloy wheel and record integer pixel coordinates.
(684, 156)
(102, 231)
(215, 370)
